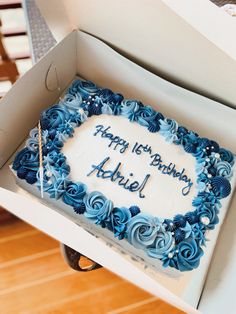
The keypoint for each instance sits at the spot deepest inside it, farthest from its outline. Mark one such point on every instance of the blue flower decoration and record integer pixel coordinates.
(83, 88)
(129, 109)
(169, 128)
(74, 194)
(163, 244)
(142, 230)
(27, 159)
(98, 208)
(119, 219)
(188, 256)
(54, 116)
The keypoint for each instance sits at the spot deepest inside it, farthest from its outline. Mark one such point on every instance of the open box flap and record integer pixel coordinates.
(190, 44)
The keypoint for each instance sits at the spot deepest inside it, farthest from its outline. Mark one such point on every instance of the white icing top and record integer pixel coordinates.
(163, 193)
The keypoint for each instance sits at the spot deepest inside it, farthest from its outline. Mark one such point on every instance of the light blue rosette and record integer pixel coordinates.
(163, 244)
(146, 115)
(168, 128)
(72, 102)
(129, 108)
(142, 230)
(224, 169)
(98, 208)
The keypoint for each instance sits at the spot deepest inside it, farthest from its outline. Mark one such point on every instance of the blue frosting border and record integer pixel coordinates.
(176, 242)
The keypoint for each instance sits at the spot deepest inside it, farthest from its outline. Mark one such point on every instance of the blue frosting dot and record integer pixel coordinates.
(204, 142)
(182, 130)
(135, 210)
(22, 172)
(212, 170)
(153, 127)
(179, 235)
(79, 208)
(214, 147)
(52, 133)
(169, 224)
(179, 221)
(190, 147)
(192, 217)
(31, 177)
(95, 109)
(45, 123)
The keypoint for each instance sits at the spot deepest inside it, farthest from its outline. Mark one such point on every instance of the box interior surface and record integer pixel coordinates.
(188, 42)
(84, 55)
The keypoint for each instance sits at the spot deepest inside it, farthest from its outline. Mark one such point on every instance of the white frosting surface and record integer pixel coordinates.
(163, 193)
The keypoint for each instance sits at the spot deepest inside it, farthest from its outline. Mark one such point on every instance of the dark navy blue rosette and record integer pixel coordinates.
(176, 242)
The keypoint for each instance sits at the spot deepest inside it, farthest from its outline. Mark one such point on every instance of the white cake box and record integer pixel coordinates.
(83, 54)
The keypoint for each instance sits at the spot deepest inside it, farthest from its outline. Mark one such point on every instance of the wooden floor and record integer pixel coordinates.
(35, 279)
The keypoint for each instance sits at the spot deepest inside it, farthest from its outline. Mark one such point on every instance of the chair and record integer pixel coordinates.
(8, 69)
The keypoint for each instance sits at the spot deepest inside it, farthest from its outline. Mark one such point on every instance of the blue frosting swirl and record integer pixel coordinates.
(33, 141)
(53, 145)
(106, 109)
(142, 230)
(98, 208)
(27, 159)
(54, 116)
(111, 102)
(163, 244)
(221, 186)
(189, 254)
(85, 88)
(119, 219)
(169, 128)
(146, 115)
(74, 194)
(226, 155)
(72, 102)
(223, 169)
(211, 212)
(129, 109)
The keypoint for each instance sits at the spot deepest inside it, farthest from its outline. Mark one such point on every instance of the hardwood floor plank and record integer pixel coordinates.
(35, 279)
(100, 301)
(28, 299)
(13, 228)
(16, 262)
(26, 246)
(155, 307)
(19, 236)
(29, 272)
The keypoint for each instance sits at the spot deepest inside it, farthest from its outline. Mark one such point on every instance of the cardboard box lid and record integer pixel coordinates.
(189, 42)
